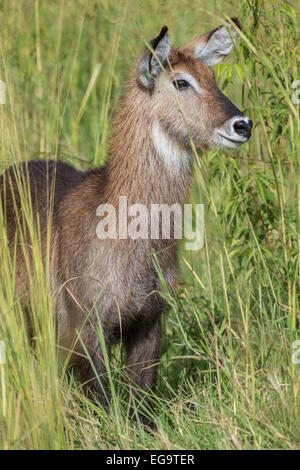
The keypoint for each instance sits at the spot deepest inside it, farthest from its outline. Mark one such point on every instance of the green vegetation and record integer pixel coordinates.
(227, 378)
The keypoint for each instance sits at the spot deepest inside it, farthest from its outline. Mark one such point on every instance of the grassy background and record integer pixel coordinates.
(227, 379)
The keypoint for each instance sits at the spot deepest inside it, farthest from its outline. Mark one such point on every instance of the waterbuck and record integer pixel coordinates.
(172, 101)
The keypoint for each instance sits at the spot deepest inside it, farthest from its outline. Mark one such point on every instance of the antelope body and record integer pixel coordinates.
(172, 98)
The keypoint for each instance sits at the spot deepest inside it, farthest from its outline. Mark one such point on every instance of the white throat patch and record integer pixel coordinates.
(174, 157)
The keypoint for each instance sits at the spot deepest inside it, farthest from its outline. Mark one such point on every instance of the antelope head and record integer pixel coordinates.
(185, 100)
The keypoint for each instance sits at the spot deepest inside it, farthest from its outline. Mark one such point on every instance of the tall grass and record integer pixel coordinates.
(227, 378)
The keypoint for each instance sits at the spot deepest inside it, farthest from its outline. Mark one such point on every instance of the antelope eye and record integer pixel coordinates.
(180, 84)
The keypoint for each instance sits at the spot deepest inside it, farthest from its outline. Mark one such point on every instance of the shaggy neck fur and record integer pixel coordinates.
(145, 163)
(177, 160)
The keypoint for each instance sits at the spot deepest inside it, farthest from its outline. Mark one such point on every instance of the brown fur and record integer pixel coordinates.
(115, 281)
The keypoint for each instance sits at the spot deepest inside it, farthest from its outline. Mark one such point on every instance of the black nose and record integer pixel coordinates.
(243, 127)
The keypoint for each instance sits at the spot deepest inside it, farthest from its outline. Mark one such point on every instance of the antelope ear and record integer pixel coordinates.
(150, 63)
(211, 48)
